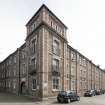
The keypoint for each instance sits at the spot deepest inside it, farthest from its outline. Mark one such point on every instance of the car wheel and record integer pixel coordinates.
(58, 100)
(66, 100)
(62, 100)
(78, 98)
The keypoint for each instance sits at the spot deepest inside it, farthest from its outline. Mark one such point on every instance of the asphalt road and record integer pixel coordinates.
(10, 99)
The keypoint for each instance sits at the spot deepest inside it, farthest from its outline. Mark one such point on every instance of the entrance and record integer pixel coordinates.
(23, 88)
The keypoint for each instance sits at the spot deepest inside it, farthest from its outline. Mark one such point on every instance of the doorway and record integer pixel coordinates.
(23, 88)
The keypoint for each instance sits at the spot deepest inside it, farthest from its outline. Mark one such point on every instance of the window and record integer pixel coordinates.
(73, 56)
(2, 75)
(23, 71)
(67, 67)
(9, 73)
(9, 61)
(30, 29)
(55, 83)
(33, 46)
(56, 47)
(81, 72)
(14, 59)
(56, 27)
(34, 84)
(61, 31)
(73, 70)
(14, 84)
(84, 62)
(9, 84)
(73, 84)
(14, 72)
(34, 25)
(80, 60)
(68, 84)
(33, 62)
(56, 64)
(23, 55)
(64, 31)
(51, 23)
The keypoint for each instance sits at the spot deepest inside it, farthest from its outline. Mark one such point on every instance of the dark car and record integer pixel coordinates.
(90, 93)
(102, 91)
(67, 96)
(98, 92)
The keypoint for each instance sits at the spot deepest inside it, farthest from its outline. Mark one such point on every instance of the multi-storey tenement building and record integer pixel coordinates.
(45, 63)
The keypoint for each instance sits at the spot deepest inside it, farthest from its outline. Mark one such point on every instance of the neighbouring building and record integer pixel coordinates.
(45, 63)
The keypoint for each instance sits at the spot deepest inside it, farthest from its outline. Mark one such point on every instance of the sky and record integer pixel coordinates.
(85, 20)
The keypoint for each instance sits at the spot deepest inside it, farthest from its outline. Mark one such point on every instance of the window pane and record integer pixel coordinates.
(34, 83)
(56, 47)
(56, 64)
(55, 83)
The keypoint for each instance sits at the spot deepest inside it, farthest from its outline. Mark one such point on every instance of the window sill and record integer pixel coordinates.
(55, 90)
(56, 54)
(34, 89)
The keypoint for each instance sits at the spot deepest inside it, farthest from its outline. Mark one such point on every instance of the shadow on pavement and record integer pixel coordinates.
(55, 102)
(8, 97)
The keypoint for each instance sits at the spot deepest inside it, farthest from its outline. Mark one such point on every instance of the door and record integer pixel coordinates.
(23, 88)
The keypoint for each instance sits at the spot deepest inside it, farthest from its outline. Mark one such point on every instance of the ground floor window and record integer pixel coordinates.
(73, 82)
(14, 84)
(56, 83)
(34, 84)
(9, 84)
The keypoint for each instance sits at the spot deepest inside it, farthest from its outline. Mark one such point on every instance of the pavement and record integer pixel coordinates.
(11, 99)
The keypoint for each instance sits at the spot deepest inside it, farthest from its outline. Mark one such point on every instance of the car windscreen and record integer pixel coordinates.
(88, 91)
(63, 92)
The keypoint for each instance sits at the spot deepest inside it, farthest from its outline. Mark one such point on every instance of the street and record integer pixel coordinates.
(10, 99)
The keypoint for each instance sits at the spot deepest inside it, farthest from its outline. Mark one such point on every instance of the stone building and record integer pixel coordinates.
(45, 63)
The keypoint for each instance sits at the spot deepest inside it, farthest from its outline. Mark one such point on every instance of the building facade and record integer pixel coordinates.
(45, 63)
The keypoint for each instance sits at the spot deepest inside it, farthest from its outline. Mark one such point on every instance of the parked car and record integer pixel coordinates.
(102, 91)
(67, 96)
(90, 93)
(98, 92)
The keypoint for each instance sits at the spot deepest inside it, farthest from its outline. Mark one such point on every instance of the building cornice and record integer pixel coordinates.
(49, 27)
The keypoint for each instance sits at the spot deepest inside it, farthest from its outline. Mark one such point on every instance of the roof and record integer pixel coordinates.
(84, 57)
(44, 6)
(22, 46)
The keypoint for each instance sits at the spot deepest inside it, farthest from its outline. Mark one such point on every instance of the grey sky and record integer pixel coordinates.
(85, 20)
